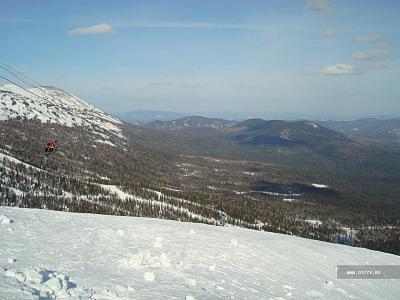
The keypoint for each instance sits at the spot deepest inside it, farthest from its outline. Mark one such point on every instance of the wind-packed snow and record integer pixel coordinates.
(59, 255)
(49, 104)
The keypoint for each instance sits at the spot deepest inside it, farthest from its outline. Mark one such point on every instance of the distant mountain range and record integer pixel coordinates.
(192, 122)
(258, 132)
(362, 129)
(141, 117)
(371, 128)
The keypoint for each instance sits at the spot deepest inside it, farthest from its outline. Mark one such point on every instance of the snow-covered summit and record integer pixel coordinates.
(59, 255)
(50, 104)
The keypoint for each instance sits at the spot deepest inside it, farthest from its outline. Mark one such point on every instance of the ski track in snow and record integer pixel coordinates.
(59, 255)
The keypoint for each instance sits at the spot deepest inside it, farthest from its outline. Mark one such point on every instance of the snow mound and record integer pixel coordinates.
(5, 220)
(11, 260)
(45, 284)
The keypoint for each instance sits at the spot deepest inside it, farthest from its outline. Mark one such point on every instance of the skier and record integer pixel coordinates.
(222, 218)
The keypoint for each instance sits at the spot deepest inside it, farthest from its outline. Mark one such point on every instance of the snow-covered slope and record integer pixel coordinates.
(82, 256)
(50, 104)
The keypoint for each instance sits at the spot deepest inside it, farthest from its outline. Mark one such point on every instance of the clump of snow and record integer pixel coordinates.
(149, 276)
(11, 260)
(234, 242)
(5, 220)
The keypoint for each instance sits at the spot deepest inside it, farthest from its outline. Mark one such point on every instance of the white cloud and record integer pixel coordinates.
(94, 29)
(368, 39)
(378, 53)
(339, 69)
(329, 33)
(322, 6)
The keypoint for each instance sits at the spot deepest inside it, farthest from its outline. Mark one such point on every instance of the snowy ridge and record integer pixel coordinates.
(55, 106)
(59, 255)
(17, 161)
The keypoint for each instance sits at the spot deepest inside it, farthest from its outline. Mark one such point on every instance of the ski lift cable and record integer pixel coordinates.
(25, 89)
(20, 73)
(15, 72)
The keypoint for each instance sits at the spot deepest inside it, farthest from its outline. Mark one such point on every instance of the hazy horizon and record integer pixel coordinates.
(244, 115)
(332, 59)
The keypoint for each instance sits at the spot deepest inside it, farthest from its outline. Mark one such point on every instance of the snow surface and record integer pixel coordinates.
(50, 104)
(289, 200)
(313, 125)
(314, 222)
(59, 255)
(319, 186)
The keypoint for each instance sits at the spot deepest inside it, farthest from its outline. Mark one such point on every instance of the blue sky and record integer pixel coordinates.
(315, 58)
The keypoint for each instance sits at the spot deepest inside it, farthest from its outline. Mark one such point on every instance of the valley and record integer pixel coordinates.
(264, 175)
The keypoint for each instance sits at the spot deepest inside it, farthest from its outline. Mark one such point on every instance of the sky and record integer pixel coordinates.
(308, 58)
